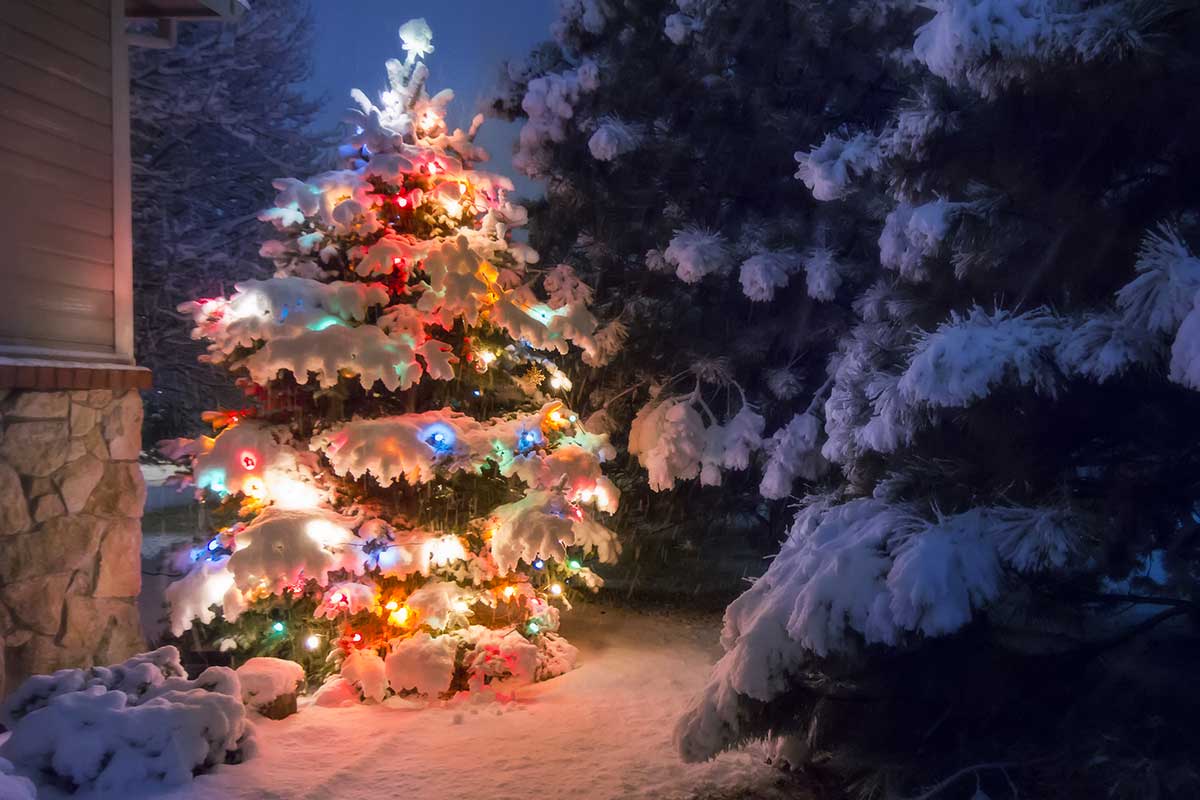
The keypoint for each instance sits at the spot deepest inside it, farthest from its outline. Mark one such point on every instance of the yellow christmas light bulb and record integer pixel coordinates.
(255, 488)
(509, 591)
(392, 605)
(556, 589)
(399, 617)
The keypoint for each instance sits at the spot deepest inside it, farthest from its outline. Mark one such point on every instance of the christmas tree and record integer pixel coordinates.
(411, 501)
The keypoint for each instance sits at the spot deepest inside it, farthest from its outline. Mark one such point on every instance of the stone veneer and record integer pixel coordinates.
(71, 497)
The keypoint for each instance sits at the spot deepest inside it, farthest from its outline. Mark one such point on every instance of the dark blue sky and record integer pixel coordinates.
(470, 38)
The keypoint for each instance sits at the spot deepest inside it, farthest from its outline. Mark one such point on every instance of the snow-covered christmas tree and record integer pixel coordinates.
(415, 502)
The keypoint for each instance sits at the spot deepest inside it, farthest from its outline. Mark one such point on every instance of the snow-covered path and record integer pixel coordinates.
(602, 731)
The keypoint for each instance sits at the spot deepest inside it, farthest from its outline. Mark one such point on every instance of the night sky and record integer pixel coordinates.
(470, 37)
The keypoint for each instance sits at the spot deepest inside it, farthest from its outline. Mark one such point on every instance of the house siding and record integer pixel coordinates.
(63, 212)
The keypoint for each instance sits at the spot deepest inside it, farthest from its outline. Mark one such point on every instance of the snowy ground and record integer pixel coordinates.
(602, 731)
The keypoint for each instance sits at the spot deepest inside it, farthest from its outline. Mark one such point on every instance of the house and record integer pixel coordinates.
(71, 492)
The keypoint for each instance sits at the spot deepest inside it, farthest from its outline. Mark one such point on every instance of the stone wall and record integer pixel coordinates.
(71, 498)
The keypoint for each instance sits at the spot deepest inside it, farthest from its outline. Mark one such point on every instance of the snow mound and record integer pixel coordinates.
(266, 679)
(422, 663)
(15, 787)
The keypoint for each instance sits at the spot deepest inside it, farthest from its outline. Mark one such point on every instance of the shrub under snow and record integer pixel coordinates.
(127, 727)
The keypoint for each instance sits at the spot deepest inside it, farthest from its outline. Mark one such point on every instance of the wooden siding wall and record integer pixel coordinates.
(62, 269)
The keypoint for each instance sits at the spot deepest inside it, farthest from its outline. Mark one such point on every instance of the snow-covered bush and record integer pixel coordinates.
(125, 728)
(265, 680)
(15, 787)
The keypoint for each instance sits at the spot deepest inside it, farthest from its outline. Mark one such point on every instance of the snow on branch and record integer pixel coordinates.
(969, 355)
(829, 169)
(613, 137)
(863, 571)
(364, 351)
(696, 252)
(988, 44)
(913, 235)
(1164, 291)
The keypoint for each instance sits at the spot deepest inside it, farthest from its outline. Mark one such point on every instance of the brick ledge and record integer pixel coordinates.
(25, 373)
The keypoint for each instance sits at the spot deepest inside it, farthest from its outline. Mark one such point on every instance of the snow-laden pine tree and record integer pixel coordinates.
(416, 501)
(213, 120)
(667, 148)
(990, 288)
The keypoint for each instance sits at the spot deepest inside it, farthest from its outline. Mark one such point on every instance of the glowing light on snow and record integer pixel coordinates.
(291, 494)
(461, 606)
(440, 437)
(527, 440)
(557, 382)
(325, 533)
(445, 549)
(453, 207)
(254, 487)
(544, 313)
(487, 357)
(213, 480)
(324, 322)
(312, 642)
(338, 598)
